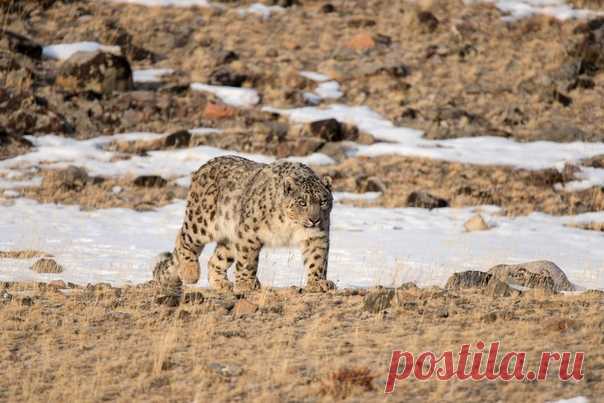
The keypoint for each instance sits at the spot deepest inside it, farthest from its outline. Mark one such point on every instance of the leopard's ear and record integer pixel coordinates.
(327, 181)
(288, 185)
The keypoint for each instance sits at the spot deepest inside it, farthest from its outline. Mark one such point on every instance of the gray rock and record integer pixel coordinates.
(468, 279)
(328, 129)
(425, 200)
(97, 72)
(226, 370)
(150, 181)
(46, 265)
(378, 300)
(538, 274)
(488, 283)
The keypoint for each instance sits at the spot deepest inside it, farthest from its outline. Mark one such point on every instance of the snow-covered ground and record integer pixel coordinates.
(56, 152)
(516, 9)
(484, 150)
(370, 246)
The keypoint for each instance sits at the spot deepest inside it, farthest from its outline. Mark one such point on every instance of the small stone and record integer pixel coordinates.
(5, 296)
(378, 300)
(150, 181)
(425, 200)
(46, 265)
(60, 284)
(328, 129)
(26, 301)
(384, 40)
(245, 307)
(328, 8)
(214, 111)
(476, 223)
(361, 41)
(226, 370)
(181, 138)
(408, 286)
(227, 77)
(427, 20)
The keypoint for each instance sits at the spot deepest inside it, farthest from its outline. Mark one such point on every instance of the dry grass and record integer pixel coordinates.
(22, 254)
(591, 226)
(342, 383)
(99, 343)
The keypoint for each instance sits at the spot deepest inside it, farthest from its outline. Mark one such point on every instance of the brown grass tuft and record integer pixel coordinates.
(341, 383)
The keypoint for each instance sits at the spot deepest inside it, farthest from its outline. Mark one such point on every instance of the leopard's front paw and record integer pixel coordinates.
(320, 286)
(189, 272)
(221, 284)
(247, 285)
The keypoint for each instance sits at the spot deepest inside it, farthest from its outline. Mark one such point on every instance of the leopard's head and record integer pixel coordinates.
(307, 198)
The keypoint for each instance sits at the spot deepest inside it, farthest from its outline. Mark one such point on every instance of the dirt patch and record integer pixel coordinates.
(518, 191)
(74, 186)
(22, 254)
(202, 349)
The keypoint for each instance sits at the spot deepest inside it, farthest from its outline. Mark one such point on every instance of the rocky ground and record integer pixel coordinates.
(447, 68)
(99, 343)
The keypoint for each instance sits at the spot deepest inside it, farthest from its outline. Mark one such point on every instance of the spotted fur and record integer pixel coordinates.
(243, 206)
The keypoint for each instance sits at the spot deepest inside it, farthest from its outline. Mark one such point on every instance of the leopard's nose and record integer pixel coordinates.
(314, 222)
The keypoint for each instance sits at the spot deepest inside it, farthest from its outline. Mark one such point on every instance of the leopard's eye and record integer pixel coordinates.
(301, 203)
(324, 203)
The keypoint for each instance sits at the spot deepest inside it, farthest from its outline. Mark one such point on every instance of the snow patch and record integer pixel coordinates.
(517, 9)
(150, 75)
(578, 399)
(235, 96)
(56, 152)
(261, 10)
(311, 75)
(64, 51)
(369, 246)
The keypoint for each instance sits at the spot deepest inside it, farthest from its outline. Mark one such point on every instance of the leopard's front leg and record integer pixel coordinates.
(315, 251)
(246, 266)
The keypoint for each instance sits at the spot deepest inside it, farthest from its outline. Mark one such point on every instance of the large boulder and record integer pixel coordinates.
(97, 72)
(537, 274)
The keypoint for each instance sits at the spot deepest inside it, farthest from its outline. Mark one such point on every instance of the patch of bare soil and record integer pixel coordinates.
(518, 191)
(102, 343)
(74, 186)
(22, 254)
